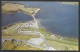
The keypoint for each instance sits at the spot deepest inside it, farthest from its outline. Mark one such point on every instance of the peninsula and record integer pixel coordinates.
(13, 8)
(27, 29)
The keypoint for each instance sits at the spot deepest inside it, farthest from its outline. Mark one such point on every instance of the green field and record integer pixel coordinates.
(64, 44)
(56, 42)
(9, 45)
(13, 8)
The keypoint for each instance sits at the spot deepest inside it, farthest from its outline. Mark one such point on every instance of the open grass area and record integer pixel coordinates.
(9, 45)
(42, 31)
(54, 41)
(29, 29)
(12, 30)
(12, 8)
(28, 9)
(62, 44)
(9, 7)
(28, 47)
(22, 37)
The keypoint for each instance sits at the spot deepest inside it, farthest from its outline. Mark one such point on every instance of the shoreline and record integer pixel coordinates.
(19, 8)
(70, 3)
(53, 33)
(36, 27)
(48, 37)
(51, 36)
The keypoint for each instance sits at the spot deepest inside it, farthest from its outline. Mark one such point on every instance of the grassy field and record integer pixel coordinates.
(62, 44)
(29, 29)
(28, 47)
(54, 41)
(22, 37)
(12, 32)
(27, 10)
(9, 45)
(12, 8)
(58, 44)
(9, 7)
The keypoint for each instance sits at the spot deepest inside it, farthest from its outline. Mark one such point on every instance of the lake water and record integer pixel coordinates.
(57, 18)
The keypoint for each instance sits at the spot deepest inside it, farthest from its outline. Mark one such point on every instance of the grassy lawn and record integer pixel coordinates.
(44, 44)
(11, 30)
(14, 8)
(61, 44)
(42, 31)
(55, 42)
(7, 7)
(8, 45)
(28, 47)
(28, 9)
(28, 29)
(22, 37)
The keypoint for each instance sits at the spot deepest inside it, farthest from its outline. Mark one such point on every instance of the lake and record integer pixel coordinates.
(58, 18)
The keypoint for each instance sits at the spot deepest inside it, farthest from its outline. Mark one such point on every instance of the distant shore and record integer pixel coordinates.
(70, 3)
(13, 8)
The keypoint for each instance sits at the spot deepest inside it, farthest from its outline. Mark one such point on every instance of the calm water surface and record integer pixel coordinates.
(57, 18)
